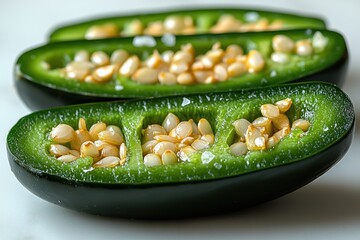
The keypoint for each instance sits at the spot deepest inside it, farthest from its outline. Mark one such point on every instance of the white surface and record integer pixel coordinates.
(328, 208)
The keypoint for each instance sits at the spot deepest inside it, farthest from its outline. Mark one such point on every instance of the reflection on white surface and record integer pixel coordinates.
(328, 208)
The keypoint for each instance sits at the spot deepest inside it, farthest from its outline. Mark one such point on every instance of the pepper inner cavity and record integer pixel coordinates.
(265, 131)
(105, 144)
(184, 67)
(174, 141)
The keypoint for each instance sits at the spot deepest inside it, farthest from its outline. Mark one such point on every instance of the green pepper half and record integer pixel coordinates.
(203, 20)
(41, 87)
(212, 180)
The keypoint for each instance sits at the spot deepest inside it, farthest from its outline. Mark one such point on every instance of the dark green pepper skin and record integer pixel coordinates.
(40, 89)
(193, 188)
(204, 19)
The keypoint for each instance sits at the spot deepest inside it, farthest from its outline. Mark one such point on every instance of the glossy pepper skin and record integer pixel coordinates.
(40, 88)
(202, 185)
(203, 20)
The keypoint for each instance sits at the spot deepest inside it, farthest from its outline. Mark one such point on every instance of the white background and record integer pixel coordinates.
(328, 208)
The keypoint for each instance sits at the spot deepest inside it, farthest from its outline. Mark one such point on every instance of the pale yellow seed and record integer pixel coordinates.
(135, 27)
(130, 66)
(111, 137)
(170, 122)
(255, 61)
(216, 55)
(169, 157)
(146, 75)
(208, 62)
(265, 123)
(241, 126)
(95, 129)
(167, 138)
(81, 56)
(272, 141)
(282, 133)
(204, 127)
(195, 130)
(199, 144)
(58, 150)
(100, 58)
(76, 153)
(160, 148)
(254, 138)
(102, 31)
(167, 56)
(208, 138)
(284, 105)
(269, 110)
(148, 146)
(122, 153)
(103, 74)
(302, 124)
(210, 80)
(167, 78)
(185, 78)
(82, 124)
(89, 149)
(281, 121)
(153, 130)
(119, 57)
(182, 56)
(198, 66)
(220, 72)
(106, 162)
(78, 70)
(151, 160)
(110, 150)
(236, 69)
(304, 48)
(101, 144)
(183, 129)
(185, 153)
(174, 24)
(201, 76)
(233, 50)
(179, 67)
(187, 140)
(115, 129)
(67, 158)
(282, 44)
(238, 149)
(62, 133)
(154, 28)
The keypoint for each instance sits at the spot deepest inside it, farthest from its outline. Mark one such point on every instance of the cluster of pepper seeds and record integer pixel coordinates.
(283, 46)
(104, 144)
(168, 68)
(184, 67)
(266, 131)
(179, 25)
(175, 141)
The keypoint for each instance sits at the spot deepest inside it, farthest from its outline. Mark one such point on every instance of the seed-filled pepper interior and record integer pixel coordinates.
(188, 65)
(305, 119)
(185, 22)
(119, 68)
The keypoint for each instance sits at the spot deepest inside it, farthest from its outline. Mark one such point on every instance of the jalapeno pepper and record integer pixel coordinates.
(185, 22)
(57, 74)
(210, 179)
